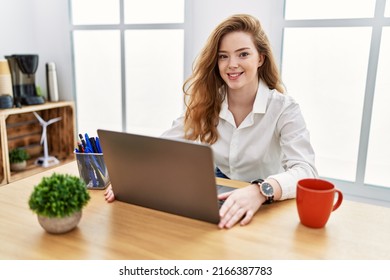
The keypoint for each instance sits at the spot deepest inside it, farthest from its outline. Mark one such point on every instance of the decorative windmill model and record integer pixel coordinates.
(46, 160)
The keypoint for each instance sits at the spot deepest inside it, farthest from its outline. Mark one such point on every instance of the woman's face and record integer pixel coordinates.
(238, 61)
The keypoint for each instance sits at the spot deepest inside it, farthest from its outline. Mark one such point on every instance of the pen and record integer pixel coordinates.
(82, 141)
(93, 144)
(81, 148)
(93, 168)
(92, 177)
(89, 148)
(98, 145)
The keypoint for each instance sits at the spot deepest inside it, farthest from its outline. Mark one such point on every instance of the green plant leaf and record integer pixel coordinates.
(18, 155)
(59, 195)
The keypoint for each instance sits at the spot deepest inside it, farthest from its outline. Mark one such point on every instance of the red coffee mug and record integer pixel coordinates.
(315, 201)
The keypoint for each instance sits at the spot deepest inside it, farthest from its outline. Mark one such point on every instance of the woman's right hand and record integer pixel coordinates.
(109, 194)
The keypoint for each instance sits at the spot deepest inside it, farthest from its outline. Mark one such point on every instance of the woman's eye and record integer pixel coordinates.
(222, 56)
(244, 54)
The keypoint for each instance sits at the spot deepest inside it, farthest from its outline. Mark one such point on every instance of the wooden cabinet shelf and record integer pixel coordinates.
(20, 128)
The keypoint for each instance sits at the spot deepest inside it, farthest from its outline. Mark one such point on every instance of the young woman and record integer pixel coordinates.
(235, 102)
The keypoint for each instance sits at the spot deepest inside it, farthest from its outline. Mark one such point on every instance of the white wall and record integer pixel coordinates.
(53, 38)
(42, 27)
(16, 27)
(39, 27)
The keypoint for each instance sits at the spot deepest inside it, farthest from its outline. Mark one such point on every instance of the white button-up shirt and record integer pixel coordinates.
(272, 142)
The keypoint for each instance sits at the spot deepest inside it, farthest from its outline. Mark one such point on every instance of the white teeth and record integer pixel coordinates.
(234, 75)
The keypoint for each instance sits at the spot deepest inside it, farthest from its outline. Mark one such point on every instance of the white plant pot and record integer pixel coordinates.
(18, 166)
(59, 225)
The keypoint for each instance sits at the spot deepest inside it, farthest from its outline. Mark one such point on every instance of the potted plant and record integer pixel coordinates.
(58, 201)
(18, 159)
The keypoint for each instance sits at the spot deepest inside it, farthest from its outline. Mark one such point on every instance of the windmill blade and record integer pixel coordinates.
(53, 120)
(39, 118)
(43, 137)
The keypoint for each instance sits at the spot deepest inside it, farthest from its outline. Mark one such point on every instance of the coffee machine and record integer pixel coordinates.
(23, 68)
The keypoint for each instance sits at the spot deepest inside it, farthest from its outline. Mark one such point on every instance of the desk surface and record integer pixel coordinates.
(123, 231)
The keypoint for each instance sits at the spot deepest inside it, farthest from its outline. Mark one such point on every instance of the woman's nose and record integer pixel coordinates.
(232, 63)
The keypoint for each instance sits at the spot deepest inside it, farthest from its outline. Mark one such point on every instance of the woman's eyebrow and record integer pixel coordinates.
(238, 50)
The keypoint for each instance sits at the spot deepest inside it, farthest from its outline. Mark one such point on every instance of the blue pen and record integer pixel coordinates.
(96, 163)
(92, 177)
(100, 158)
(99, 148)
(88, 150)
(91, 170)
(93, 143)
(88, 143)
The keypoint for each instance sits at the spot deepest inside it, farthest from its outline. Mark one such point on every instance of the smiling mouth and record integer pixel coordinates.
(234, 75)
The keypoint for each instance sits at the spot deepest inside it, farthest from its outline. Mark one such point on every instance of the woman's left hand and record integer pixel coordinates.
(109, 194)
(240, 205)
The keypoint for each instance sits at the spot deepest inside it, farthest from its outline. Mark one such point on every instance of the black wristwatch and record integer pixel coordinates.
(266, 189)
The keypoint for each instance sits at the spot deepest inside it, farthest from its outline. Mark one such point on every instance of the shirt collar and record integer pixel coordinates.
(259, 106)
(225, 113)
(224, 108)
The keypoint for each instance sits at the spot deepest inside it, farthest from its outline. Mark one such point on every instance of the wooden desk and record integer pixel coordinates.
(123, 231)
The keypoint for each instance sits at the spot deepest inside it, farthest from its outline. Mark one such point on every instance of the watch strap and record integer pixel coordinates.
(257, 181)
(269, 199)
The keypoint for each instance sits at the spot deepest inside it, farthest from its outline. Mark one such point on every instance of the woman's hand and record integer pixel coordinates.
(240, 205)
(109, 194)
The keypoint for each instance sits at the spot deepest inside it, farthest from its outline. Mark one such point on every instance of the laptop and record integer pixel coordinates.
(163, 174)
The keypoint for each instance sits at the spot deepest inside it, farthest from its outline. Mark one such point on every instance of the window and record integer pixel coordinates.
(97, 12)
(335, 63)
(329, 86)
(378, 166)
(150, 11)
(98, 79)
(329, 9)
(128, 64)
(156, 61)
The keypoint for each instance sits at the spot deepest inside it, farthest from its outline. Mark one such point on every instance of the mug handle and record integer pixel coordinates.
(339, 199)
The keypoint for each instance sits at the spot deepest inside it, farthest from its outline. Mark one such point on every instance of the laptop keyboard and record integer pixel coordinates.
(223, 189)
(220, 202)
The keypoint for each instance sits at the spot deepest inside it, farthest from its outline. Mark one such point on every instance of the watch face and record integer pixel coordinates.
(267, 189)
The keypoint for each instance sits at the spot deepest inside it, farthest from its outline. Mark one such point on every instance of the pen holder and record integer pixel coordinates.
(93, 170)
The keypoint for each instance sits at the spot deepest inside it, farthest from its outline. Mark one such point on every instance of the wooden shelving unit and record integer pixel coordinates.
(3, 167)
(20, 128)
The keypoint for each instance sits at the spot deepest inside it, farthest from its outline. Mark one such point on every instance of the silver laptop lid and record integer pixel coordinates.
(167, 175)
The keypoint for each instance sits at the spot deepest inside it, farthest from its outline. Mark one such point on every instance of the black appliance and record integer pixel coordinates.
(23, 68)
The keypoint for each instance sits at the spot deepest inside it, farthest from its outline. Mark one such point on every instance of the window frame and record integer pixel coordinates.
(122, 27)
(357, 190)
